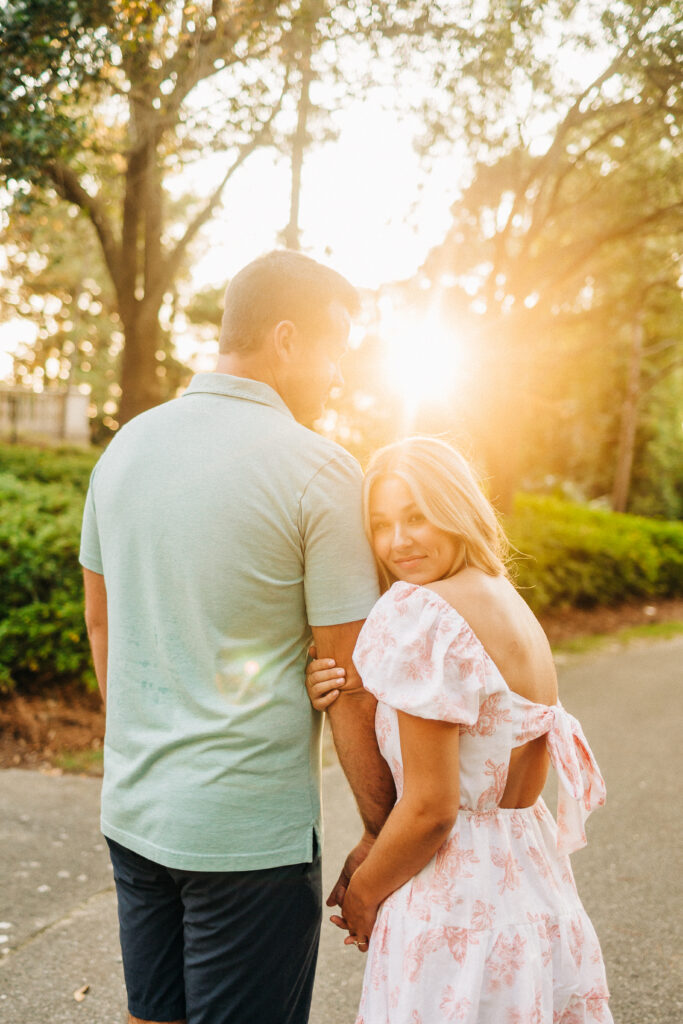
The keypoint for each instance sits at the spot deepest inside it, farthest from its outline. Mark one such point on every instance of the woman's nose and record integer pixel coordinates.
(400, 537)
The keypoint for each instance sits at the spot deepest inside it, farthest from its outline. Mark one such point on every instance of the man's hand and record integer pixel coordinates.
(352, 862)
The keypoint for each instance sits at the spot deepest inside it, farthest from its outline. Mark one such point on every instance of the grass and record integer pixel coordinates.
(622, 637)
(81, 762)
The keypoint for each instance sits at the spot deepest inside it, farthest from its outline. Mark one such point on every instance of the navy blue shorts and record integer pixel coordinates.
(218, 947)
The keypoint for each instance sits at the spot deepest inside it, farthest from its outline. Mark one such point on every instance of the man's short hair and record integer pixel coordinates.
(282, 285)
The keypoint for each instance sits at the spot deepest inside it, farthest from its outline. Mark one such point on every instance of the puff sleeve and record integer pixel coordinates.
(416, 654)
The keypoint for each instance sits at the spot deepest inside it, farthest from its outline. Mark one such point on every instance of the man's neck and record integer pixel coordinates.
(252, 369)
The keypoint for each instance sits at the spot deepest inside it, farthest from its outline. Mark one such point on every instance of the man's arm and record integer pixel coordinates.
(96, 624)
(352, 717)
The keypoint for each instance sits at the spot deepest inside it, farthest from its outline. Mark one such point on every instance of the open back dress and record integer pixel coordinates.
(491, 930)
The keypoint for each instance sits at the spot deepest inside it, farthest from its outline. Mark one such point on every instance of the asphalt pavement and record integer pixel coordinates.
(58, 928)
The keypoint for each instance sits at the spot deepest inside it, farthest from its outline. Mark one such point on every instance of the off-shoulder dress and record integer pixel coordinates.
(491, 930)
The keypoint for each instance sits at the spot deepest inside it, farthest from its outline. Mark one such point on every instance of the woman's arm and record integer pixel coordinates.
(416, 827)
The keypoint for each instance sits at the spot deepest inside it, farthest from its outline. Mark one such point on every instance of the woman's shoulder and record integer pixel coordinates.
(417, 654)
(472, 590)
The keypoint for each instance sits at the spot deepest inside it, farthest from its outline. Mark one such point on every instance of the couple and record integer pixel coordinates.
(219, 533)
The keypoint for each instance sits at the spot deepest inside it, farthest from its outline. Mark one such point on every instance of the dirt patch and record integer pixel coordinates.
(41, 730)
(574, 622)
(62, 728)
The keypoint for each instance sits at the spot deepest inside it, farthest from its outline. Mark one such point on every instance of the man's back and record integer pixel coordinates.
(223, 529)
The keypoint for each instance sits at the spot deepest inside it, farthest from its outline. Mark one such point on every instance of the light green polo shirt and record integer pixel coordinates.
(224, 529)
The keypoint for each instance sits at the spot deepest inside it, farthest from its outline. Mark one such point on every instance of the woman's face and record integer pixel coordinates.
(404, 541)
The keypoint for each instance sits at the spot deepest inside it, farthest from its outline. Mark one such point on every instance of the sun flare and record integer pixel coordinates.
(425, 358)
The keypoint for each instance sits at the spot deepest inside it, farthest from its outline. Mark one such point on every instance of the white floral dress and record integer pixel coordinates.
(491, 930)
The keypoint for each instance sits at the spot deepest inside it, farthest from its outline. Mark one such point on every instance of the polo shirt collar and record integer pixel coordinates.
(236, 387)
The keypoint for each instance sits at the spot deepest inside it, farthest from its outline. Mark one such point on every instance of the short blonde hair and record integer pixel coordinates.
(448, 494)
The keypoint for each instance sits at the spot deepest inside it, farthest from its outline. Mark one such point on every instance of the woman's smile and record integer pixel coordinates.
(403, 539)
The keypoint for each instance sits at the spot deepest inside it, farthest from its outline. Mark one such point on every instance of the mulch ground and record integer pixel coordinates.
(62, 728)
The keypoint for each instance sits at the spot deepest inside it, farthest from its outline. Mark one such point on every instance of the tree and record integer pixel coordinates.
(54, 277)
(101, 102)
(544, 227)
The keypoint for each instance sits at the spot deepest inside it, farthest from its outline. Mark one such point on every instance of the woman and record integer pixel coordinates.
(467, 899)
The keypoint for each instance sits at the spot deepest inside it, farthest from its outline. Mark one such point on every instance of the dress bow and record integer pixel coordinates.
(581, 786)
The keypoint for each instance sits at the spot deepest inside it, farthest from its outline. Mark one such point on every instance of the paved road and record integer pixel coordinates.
(57, 911)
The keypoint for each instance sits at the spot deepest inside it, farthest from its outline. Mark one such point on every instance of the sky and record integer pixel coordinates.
(369, 208)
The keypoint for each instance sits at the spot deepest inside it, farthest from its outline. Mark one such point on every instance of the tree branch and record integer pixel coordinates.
(661, 346)
(611, 236)
(68, 186)
(172, 263)
(655, 378)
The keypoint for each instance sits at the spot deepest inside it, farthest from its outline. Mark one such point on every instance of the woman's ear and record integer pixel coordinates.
(284, 338)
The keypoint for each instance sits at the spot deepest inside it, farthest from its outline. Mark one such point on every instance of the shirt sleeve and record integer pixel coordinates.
(90, 555)
(418, 655)
(340, 576)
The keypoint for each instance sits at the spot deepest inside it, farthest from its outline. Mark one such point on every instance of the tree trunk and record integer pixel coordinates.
(503, 414)
(140, 385)
(142, 279)
(629, 420)
(299, 143)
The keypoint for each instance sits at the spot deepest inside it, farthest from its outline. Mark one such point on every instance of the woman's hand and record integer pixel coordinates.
(358, 917)
(324, 679)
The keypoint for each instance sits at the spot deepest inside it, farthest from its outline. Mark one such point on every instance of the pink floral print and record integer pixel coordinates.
(506, 959)
(452, 1007)
(492, 795)
(534, 1015)
(483, 916)
(491, 715)
(511, 869)
(464, 939)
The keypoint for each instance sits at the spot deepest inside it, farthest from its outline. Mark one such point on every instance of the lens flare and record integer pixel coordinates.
(426, 360)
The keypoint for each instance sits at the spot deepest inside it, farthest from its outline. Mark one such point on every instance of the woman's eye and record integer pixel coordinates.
(379, 526)
(417, 518)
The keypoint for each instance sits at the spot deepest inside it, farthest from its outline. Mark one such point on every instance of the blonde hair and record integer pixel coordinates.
(448, 494)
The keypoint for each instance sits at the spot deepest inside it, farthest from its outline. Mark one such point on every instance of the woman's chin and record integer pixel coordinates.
(419, 577)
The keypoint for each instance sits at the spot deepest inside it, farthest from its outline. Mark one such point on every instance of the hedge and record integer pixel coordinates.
(567, 555)
(42, 632)
(572, 556)
(66, 465)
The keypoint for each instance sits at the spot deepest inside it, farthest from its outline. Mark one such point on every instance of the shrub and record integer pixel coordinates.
(65, 464)
(42, 632)
(576, 556)
(571, 555)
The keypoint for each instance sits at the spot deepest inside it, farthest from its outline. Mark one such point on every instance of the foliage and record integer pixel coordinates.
(55, 277)
(575, 556)
(103, 105)
(127, 79)
(571, 555)
(42, 631)
(657, 488)
(49, 49)
(567, 242)
(64, 465)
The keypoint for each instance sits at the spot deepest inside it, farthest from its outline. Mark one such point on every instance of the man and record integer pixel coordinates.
(218, 531)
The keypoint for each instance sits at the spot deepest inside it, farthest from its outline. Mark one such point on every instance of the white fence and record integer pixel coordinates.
(56, 414)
